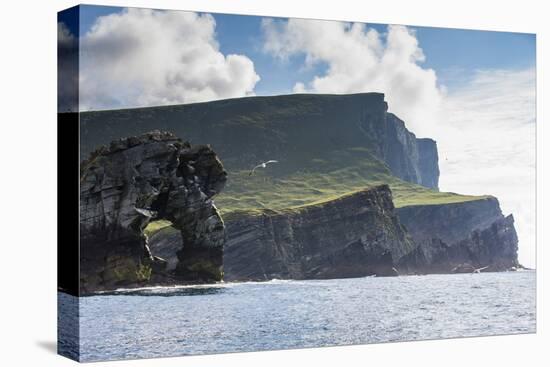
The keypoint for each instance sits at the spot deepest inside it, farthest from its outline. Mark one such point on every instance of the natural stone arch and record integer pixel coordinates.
(135, 180)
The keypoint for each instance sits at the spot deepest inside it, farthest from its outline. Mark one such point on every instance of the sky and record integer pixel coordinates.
(472, 91)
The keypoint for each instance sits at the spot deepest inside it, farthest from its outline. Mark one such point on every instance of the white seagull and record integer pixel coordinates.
(262, 165)
(477, 271)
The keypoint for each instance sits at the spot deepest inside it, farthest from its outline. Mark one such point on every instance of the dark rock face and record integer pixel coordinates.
(428, 163)
(356, 235)
(362, 234)
(137, 179)
(411, 159)
(459, 237)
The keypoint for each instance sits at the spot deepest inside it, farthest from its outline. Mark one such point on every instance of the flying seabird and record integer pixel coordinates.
(262, 165)
(477, 271)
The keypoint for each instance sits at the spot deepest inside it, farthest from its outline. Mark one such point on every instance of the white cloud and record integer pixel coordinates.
(142, 57)
(360, 59)
(487, 141)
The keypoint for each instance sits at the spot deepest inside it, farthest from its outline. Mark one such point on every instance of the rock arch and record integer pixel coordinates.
(135, 180)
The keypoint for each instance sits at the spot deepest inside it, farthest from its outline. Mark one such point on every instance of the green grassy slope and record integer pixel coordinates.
(322, 179)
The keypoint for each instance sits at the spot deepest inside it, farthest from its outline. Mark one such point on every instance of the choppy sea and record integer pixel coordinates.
(280, 314)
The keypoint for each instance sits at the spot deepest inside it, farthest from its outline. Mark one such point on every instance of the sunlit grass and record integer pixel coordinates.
(323, 180)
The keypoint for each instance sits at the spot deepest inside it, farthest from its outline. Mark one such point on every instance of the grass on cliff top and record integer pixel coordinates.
(322, 180)
(293, 193)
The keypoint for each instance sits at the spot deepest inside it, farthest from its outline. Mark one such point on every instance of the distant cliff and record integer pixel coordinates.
(428, 163)
(411, 159)
(300, 130)
(352, 236)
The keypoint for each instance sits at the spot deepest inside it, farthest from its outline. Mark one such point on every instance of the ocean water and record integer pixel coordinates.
(242, 317)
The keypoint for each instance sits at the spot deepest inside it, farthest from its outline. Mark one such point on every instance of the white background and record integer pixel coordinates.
(28, 182)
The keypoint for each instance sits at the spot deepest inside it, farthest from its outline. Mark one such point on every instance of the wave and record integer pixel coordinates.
(191, 289)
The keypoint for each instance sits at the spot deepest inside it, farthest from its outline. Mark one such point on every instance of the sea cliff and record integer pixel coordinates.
(352, 236)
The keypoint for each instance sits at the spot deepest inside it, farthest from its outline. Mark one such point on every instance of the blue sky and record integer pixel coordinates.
(453, 53)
